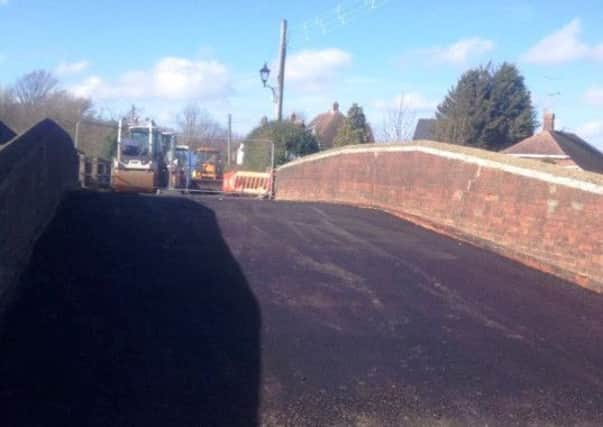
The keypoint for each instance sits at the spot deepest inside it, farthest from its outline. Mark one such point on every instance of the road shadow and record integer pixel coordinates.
(133, 312)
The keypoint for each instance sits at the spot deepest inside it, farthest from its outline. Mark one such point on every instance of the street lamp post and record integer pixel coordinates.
(264, 74)
(277, 92)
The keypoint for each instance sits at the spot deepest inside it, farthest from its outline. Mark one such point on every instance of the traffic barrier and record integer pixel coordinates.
(243, 182)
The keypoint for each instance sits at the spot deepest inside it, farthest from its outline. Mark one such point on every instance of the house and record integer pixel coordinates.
(6, 133)
(297, 120)
(425, 129)
(561, 148)
(325, 126)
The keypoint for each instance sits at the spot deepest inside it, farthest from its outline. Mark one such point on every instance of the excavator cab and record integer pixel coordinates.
(208, 165)
(180, 167)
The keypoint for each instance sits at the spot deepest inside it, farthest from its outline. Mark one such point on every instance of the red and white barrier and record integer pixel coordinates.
(242, 182)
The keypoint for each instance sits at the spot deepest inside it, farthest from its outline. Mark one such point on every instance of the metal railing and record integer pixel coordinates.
(94, 172)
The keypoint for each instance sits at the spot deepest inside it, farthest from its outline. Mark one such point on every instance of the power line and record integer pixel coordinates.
(331, 20)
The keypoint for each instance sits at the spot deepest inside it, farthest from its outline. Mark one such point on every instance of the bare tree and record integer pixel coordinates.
(188, 122)
(37, 96)
(398, 123)
(35, 87)
(134, 114)
(6, 104)
(198, 128)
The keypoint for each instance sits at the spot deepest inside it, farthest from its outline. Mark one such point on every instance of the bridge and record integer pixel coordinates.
(128, 310)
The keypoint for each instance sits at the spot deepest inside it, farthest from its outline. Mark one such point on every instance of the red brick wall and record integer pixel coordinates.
(550, 221)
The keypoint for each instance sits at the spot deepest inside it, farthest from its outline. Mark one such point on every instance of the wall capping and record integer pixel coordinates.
(546, 176)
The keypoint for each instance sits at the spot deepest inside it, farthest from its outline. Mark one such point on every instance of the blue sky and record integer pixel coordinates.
(163, 55)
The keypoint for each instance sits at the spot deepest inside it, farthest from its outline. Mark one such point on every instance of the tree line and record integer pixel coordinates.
(38, 95)
(293, 139)
(488, 107)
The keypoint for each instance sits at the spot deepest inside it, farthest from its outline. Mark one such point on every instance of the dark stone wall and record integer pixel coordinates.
(6, 133)
(36, 169)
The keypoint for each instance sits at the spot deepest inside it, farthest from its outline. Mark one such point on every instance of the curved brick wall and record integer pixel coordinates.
(36, 169)
(541, 215)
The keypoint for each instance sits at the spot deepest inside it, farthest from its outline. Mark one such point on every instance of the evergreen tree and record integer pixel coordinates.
(355, 129)
(291, 140)
(488, 108)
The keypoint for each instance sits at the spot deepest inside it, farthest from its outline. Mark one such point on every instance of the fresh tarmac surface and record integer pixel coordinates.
(174, 311)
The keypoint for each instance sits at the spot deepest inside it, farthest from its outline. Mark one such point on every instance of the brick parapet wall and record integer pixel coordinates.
(542, 215)
(36, 169)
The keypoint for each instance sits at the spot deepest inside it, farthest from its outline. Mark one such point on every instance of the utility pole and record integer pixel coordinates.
(76, 137)
(172, 168)
(229, 140)
(119, 141)
(281, 71)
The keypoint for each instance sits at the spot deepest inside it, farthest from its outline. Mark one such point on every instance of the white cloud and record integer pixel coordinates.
(171, 78)
(594, 96)
(411, 101)
(131, 85)
(178, 78)
(361, 80)
(88, 87)
(459, 52)
(592, 132)
(313, 70)
(564, 45)
(592, 129)
(69, 68)
(596, 52)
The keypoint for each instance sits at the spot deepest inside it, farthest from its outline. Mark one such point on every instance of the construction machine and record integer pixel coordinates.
(179, 160)
(207, 170)
(140, 162)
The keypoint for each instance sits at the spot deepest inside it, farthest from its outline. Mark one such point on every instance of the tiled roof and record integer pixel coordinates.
(6, 133)
(556, 144)
(425, 129)
(326, 126)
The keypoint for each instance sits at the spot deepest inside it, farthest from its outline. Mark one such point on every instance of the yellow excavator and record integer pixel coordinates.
(207, 171)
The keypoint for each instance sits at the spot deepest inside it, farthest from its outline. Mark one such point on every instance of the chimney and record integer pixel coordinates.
(548, 122)
(335, 107)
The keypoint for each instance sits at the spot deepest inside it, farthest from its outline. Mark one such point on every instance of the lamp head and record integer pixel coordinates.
(264, 73)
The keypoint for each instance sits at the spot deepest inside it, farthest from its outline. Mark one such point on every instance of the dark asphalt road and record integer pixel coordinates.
(168, 311)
